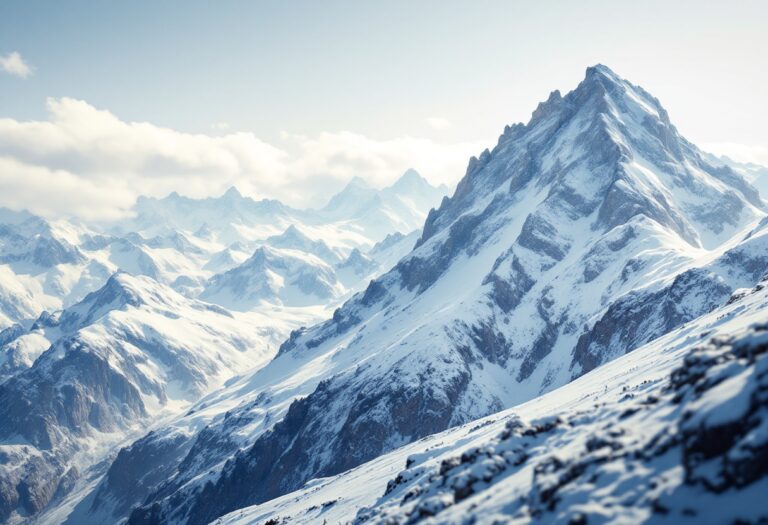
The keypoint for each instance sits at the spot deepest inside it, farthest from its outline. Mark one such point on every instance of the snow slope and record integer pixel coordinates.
(674, 432)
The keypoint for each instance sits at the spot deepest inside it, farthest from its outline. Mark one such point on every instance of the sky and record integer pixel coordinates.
(102, 101)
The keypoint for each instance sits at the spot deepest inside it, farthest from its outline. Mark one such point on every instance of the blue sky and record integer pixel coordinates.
(451, 74)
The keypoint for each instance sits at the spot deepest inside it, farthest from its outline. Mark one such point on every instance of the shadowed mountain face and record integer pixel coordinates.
(590, 230)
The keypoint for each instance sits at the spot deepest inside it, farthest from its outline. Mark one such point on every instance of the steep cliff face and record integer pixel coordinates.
(510, 292)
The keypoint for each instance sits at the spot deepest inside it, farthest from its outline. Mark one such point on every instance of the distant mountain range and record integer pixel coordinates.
(102, 334)
(182, 242)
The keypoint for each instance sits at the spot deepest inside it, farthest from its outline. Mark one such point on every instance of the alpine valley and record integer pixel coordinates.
(576, 335)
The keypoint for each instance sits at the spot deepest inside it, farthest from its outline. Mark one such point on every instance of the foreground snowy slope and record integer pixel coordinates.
(105, 368)
(584, 234)
(675, 432)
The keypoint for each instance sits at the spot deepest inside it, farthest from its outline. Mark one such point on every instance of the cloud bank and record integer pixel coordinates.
(86, 162)
(13, 64)
(739, 152)
(438, 123)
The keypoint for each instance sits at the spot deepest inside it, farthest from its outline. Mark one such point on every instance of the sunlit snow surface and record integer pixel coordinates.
(676, 431)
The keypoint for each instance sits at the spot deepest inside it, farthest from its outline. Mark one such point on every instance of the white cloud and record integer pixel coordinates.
(438, 123)
(342, 155)
(87, 162)
(52, 193)
(739, 152)
(13, 64)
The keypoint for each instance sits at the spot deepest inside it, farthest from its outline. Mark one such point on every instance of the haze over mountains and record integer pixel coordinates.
(184, 242)
(255, 363)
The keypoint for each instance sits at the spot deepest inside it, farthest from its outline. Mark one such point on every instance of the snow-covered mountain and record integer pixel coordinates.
(102, 334)
(675, 432)
(295, 239)
(357, 217)
(754, 173)
(185, 243)
(107, 367)
(399, 207)
(291, 269)
(589, 231)
(271, 275)
(41, 267)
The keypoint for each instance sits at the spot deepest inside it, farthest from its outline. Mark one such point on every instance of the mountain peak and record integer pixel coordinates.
(599, 81)
(122, 285)
(617, 131)
(411, 181)
(232, 194)
(621, 91)
(357, 182)
(355, 194)
(291, 233)
(604, 71)
(120, 291)
(292, 230)
(411, 175)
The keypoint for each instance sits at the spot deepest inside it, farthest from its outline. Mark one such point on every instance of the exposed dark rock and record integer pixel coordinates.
(642, 317)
